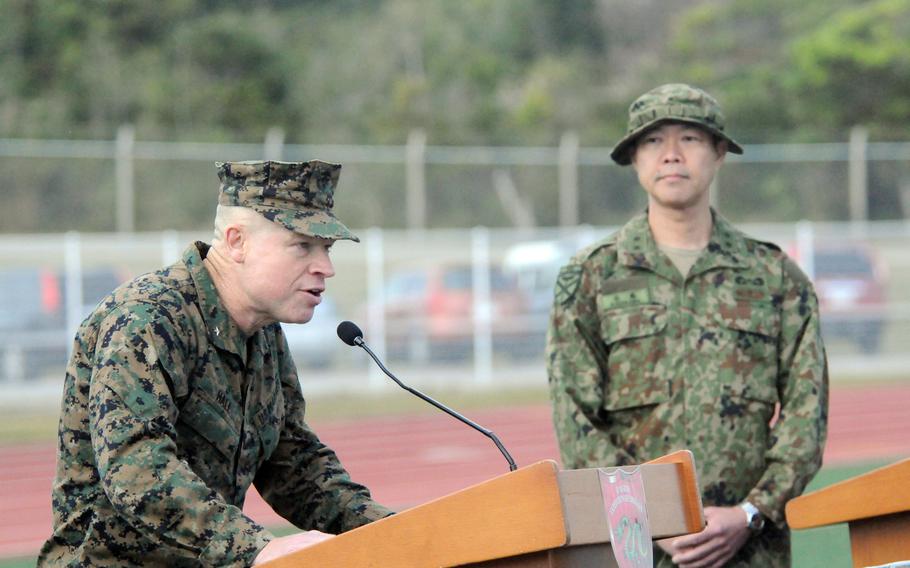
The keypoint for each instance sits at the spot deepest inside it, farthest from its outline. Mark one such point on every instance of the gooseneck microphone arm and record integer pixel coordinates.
(351, 334)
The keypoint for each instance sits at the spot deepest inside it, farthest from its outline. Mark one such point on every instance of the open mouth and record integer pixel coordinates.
(315, 293)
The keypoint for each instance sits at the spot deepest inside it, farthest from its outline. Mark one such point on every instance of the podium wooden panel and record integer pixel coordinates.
(876, 506)
(536, 516)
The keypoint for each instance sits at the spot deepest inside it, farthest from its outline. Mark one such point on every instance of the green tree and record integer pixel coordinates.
(854, 68)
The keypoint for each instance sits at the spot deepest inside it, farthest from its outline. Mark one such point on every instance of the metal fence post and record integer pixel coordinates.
(568, 179)
(483, 308)
(375, 252)
(805, 247)
(13, 363)
(125, 214)
(273, 147)
(170, 247)
(416, 180)
(72, 259)
(858, 188)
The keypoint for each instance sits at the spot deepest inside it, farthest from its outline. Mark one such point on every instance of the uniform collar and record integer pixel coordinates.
(636, 248)
(221, 329)
(726, 249)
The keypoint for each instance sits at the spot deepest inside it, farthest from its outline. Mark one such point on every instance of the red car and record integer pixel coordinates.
(429, 313)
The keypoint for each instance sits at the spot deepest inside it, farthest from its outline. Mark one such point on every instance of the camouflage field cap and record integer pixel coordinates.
(297, 195)
(676, 102)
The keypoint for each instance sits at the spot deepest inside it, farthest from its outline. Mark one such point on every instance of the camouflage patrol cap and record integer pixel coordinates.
(296, 195)
(672, 102)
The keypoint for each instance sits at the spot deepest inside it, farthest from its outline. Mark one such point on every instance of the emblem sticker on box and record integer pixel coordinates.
(627, 516)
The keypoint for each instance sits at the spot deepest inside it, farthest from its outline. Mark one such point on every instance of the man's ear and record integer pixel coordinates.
(235, 242)
(720, 148)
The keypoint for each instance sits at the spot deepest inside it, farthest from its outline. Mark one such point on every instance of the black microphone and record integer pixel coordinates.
(351, 334)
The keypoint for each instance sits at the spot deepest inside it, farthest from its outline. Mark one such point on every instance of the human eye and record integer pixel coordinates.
(311, 246)
(650, 139)
(693, 136)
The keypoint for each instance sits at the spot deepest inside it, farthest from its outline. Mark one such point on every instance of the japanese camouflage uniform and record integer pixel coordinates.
(643, 361)
(170, 412)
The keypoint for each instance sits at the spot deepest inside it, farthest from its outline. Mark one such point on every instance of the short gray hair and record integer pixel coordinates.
(226, 215)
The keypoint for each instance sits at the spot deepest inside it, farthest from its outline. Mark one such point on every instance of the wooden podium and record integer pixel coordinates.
(876, 506)
(536, 516)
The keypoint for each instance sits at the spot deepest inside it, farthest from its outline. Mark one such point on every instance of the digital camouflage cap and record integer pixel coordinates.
(672, 102)
(297, 195)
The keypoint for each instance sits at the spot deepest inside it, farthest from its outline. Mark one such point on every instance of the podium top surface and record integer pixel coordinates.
(516, 513)
(534, 509)
(883, 491)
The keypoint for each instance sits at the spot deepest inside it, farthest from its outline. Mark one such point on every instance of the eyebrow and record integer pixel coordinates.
(298, 238)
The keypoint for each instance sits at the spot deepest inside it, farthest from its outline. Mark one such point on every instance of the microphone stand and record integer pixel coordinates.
(489, 434)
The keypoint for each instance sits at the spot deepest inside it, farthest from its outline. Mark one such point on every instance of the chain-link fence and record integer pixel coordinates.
(127, 185)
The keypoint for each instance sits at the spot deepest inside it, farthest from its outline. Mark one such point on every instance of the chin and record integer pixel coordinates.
(300, 318)
(679, 203)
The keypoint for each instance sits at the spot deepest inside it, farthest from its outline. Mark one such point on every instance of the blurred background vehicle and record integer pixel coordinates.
(34, 332)
(315, 344)
(430, 312)
(535, 266)
(851, 284)
(850, 279)
(32, 299)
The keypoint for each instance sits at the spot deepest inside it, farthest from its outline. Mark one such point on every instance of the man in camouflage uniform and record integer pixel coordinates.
(680, 332)
(181, 392)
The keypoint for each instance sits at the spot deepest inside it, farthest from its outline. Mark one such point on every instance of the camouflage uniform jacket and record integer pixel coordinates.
(169, 414)
(643, 362)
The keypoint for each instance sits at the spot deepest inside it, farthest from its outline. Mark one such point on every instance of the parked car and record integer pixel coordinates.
(851, 284)
(430, 312)
(535, 266)
(30, 299)
(33, 315)
(315, 344)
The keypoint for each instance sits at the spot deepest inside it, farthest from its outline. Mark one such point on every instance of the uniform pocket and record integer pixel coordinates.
(753, 329)
(758, 318)
(206, 419)
(633, 337)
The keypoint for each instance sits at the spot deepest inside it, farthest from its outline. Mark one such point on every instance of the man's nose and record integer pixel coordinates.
(672, 151)
(323, 264)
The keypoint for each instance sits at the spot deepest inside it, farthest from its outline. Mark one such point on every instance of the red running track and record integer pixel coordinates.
(407, 460)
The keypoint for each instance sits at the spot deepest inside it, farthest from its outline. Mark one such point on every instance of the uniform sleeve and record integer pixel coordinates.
(132, 416)
(576, 367)
(798, 436)
(304, 481)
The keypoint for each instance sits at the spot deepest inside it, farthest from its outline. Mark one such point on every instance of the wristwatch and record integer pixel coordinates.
(754, 519)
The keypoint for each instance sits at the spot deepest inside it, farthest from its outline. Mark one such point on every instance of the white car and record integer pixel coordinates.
(315, 344)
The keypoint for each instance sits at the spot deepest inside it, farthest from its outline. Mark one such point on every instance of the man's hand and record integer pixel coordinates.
(726, 532)
(288, 544)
